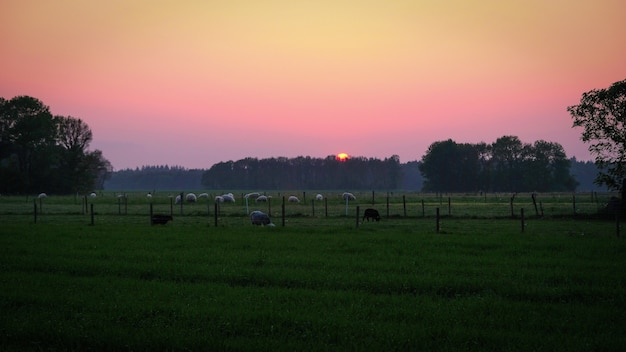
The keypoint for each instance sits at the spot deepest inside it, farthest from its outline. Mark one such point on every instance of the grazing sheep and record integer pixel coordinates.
(371, 214)
(203, 195)
(149, 195)
(92, 195)
(252, 195)
(261, 199)
(219, 199)
(348, 196)
(293, 199)
(260, 218)
(191, 197)
(178, 199)
(228, 197)
(319, 197)
(42, 195)
(160, 219)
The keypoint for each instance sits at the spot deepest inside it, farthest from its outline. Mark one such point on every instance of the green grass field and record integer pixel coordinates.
(315, 284)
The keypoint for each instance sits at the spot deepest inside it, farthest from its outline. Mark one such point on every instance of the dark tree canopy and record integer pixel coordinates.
(41, 152)
(305, 173)
(602, 115)
(507, 165)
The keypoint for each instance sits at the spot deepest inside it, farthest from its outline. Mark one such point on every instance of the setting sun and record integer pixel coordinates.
(342, 157)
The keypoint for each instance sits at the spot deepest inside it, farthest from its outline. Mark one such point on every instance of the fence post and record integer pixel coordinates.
(373, 197)
(437, 219)
(216, 207)
(313, 206)
(387, 204)
(449, 206)
(423, 209)
(91, 211)
(151, 223)
(283, 212)
(404, 204)
(35, 209)
(326, 206)
(522, 215)
(357, 216)
(574, 203)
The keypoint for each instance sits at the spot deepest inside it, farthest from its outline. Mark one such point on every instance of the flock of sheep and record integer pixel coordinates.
(256, 217)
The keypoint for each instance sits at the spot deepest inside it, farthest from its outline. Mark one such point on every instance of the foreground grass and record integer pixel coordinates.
(477, 285)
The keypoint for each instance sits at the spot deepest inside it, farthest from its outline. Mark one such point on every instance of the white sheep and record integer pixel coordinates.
(219, 199)
(42, 195)
(319, 197)
(262, 198)
(178, 199)
(93, 195)
(228, 197)
(252, 195)
(348, 196)
(293, 199)
(149, 195)
(260, 218)
(203, 195)
(191, 197)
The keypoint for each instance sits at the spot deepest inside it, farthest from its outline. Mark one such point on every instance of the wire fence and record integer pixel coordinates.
(332, 210)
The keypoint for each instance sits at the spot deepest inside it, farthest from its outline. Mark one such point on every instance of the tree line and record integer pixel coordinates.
(305, 173)
(507, 165)
(177, 178)
(44, 152)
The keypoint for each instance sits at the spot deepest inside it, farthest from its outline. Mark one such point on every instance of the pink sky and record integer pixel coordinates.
(193, 83)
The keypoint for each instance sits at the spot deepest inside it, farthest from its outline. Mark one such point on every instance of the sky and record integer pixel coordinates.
(194, 83)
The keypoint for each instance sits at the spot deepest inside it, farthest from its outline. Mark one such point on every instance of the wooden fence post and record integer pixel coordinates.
(423, 209)
(35, 210)
(215, 212)
(404, 204)
(91, 211)
(326, 206)
(387, 204)
(357, 216)
(283, 212)
(522, 215)
(437, 219)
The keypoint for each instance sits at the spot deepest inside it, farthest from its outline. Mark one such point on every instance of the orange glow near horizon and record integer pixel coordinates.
(343, 157)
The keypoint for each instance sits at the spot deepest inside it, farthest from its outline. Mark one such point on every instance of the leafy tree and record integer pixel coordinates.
(39, 151)
(602, 114)
(507, 154)
(508, 165)
(28, 135)
(450, 167)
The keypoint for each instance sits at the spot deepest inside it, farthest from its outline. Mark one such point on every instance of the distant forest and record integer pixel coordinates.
(299, 173)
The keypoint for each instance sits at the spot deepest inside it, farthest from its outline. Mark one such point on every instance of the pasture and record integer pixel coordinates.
(318, 283)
